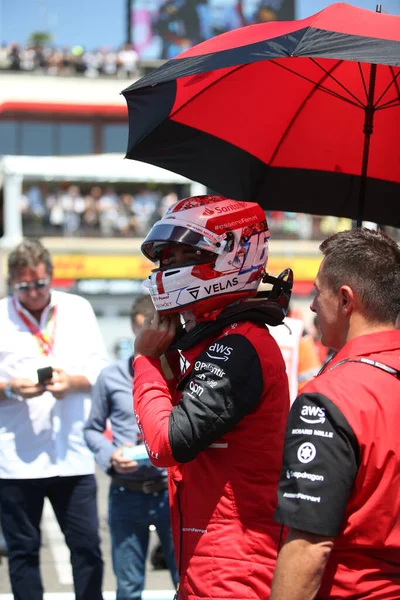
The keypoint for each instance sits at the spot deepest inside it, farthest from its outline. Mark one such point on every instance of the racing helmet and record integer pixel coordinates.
(229, 240)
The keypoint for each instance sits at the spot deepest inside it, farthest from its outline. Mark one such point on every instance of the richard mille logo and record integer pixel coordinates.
(194, 292)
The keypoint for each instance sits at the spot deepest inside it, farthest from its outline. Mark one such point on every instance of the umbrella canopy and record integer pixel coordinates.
(299, 116)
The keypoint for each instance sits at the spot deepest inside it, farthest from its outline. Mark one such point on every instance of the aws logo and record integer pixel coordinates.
(219, 352)
(312, 414)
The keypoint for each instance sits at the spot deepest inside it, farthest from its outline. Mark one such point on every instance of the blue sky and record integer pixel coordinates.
(91, 23)
(98, 23)
(306, 8)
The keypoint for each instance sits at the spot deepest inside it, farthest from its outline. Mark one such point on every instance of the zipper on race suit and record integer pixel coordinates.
(176, 596)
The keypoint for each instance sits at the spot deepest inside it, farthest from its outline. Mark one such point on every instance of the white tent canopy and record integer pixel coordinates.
(106, 168)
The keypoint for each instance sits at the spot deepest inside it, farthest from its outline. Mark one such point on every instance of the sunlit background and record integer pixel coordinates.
(63, 135)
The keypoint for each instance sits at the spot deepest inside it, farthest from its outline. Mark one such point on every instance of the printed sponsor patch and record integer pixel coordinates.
(303, 475)
(300, 496)
(318, 432)
(205, 366)
(312, 414)
(194, 292)
(219, 352)
(195, 388)
(217, 288)
(306, 452)
(212, 383)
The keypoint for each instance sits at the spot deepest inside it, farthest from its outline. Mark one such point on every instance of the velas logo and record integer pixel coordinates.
(217, 288)
(208, 212)
(194, 292)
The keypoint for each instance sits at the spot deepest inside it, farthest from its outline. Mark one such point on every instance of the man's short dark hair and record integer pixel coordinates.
(29, 254)
(369, 262)
(143, 305)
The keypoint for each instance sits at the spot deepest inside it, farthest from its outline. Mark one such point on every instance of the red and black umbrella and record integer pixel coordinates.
(300, 116)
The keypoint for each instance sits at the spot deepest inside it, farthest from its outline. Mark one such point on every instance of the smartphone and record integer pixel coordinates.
(44, 374)
(138, 453)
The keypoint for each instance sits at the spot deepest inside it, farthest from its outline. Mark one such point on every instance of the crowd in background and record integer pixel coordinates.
(97, 211)
(121, 62)
(73, 210)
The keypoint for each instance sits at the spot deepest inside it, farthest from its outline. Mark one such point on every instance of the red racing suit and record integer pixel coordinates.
(220, 430)
(341, 468)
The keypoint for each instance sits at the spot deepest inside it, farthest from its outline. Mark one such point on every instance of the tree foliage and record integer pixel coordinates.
(40, 38)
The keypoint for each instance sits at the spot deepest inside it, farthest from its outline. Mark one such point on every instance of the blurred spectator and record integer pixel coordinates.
(144, 207)
(108, 212)
(92, 211)
(131, 210)
(14, 57)
(73, 206)
(4, 57)
(108, 62)
(127, 61)
(35, 201)
(90, 218)
(55, 209)
(121, 62)
(127, 220)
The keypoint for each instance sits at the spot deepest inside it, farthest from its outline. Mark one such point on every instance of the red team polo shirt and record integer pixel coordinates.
(341, 469)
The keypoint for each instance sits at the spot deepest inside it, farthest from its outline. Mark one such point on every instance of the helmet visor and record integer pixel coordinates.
(163, 235)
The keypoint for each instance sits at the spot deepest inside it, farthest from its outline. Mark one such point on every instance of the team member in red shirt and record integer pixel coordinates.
(340, 484)
(219, 424)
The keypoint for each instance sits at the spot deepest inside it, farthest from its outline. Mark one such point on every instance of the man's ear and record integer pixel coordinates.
(346, 299)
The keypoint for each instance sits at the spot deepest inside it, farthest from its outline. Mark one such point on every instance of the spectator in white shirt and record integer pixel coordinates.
(127, 59)
(42, 449)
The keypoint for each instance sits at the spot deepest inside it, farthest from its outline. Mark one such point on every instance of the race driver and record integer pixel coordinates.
(216, 414)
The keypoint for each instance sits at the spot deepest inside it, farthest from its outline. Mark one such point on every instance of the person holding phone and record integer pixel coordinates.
(138, 494)
(51, 353)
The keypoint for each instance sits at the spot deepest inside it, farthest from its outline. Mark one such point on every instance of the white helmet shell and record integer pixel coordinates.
(235, 237)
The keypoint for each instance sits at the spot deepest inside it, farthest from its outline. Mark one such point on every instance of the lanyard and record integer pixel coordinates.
(366, 361)
(46, 339)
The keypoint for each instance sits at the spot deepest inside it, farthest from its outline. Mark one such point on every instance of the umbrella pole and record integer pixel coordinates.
(369, 112)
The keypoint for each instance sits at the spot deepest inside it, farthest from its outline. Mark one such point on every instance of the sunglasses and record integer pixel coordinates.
(25, 286)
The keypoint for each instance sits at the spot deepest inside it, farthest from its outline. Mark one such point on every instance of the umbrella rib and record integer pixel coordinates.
(329, 73)
(299, 109)
(393, 82)
(207, 88)
(363, 81)
(389, 104)
(358, 103)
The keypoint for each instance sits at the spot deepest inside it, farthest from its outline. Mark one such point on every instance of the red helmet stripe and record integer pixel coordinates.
(159, 282)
